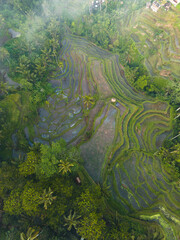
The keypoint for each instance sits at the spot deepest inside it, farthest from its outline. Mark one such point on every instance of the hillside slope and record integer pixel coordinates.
(117, 140)
(157, 36)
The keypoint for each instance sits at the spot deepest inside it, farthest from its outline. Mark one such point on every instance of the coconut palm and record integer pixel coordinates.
(30, 235)
(65, 166)
(71, 220)
(47, 198)
(88, 100)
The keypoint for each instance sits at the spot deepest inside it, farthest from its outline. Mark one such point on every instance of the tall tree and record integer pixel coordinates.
(13, 205)
(88, 100)
(28, 167)
(71, 220)
(65, 166)
(92, 227)
(47, 198)
(31, 197)
(30, 235)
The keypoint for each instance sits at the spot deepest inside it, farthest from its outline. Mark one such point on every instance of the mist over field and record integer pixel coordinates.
(64, 7)
(60, 10)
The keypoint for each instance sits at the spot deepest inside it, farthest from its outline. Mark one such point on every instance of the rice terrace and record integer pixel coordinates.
(90, 120)
(157, 38)
(119, 132)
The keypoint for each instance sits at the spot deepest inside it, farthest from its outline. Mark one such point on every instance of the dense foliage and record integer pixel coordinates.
(31, 58)
(170, 155)
(39, 194)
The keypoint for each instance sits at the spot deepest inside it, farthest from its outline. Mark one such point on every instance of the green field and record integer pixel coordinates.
(157, 36)
(117, 140)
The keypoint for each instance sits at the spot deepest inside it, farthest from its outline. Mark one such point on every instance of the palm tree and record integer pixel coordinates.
(88, 99)
(71, 220)
(30, 235)
(65, 166)
(47, 198)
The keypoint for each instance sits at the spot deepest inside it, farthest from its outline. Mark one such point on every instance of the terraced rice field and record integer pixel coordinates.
(117, 140)
(161, 51)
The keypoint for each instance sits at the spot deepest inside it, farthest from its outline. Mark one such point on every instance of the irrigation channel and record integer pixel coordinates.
(117, 140)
